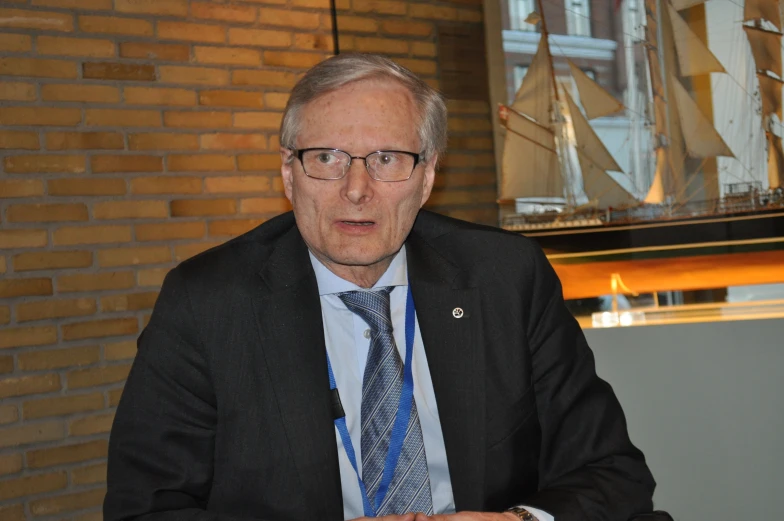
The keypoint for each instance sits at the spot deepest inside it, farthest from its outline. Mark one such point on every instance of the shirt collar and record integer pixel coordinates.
(329, 283)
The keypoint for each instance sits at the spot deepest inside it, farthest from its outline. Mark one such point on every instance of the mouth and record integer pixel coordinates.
(358, 223)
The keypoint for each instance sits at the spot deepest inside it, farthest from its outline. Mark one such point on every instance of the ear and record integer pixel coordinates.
(287, 172)
(428, 179)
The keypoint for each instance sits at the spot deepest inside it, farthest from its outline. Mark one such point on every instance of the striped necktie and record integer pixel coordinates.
(409, 490)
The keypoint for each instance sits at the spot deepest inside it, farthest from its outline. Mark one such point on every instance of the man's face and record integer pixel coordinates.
(355, 225)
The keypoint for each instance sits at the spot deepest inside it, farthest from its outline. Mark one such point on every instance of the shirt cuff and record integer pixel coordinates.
(541, 515)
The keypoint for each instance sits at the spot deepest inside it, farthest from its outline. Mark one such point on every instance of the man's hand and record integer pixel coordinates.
(469, 516)
(392, 517)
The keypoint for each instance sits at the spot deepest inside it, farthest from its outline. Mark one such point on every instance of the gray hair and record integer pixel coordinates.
(343, 69)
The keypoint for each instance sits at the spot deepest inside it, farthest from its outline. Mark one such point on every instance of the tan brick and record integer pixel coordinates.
(258, 120)
(193, 75)
(155, 51)
(67, 502)
(93, 5)
(95, 281)
(221, 141)
(3, 269)
(52, 260)
(39, 213)
(186, 251)
(69, 187)
(157, 7)
(263, 78)
(153, 276)
(15, 43)
(96, 376)
(264, 205)
(169, 231)
(10, 464)
(191, 32)
(75, 453)
(314, 4)
(418, 66)
(232, 227)
(120, 351)
(115, 25)
(17, 91)
(38, 68)
(432, 11)
(89, 475)
(10, 288)
(23, 385)
(474, 161)
(8, 414)
(423, 49)
(118, 71)
(256, 162)
(228, 13)
(231, 98)
(227, 55)
(129, 302)
(47, 116)
(70, 235)
(19, 140)
(315, 42)
(236, 184)
(5, 318)
(163, 141)
(469, 125)
(380, 6)
(166, 185)
(471, 143)
(114, 396)
(473, 196)
(35, 164)
(259, 37)
(13, 513)
(81, 92)
(126, 164)
(94, 515)
(201, 207)
(29, 485)
(299, 20)
(358, 24)
(41, 20)
(468, 15)
(303, 60)
(47, 360)
(123, 118)
(84, 140)
(49, 309)
(406, 28)
(65, 46)
(182, 119)
(201, 163)
(276, 100)
(99, 329)
(131, 210)
(159, 96)
(97, 424)
(133, 256)
(60, 406)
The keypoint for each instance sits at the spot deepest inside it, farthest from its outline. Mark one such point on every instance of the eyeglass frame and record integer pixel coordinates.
(299, 152)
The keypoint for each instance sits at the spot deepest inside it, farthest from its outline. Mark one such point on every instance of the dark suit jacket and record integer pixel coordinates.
(226, 413)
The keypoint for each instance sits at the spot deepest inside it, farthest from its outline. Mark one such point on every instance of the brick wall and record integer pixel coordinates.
(135, 134)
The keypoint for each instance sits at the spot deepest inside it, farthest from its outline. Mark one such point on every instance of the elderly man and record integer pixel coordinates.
(361, 357)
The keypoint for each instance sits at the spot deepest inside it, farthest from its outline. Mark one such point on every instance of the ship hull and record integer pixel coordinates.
(678, 254)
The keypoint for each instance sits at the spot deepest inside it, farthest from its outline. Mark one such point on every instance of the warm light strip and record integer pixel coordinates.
(665, 248)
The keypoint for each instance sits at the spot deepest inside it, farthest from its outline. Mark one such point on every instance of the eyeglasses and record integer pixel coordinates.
(382, 165)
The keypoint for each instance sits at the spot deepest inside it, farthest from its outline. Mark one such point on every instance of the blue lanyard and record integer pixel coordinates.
(399, 427)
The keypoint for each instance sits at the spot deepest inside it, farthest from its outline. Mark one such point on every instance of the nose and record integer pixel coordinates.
(358, 186)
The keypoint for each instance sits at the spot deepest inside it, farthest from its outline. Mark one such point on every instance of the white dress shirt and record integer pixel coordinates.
(347, 338)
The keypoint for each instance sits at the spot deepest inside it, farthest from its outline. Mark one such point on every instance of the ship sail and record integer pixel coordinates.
(702, 139)
(694, 57)
(770, 90)
(595, 160)
(763, 10)
(766, 48)
(775, 161)
(593, 97)
(530, 163)
(534, 98)
(680, 5)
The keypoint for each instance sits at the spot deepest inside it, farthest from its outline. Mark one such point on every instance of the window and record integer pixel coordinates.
(518, 12)
(578, 17)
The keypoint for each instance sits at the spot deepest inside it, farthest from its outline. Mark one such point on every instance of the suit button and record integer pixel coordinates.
(366, 333)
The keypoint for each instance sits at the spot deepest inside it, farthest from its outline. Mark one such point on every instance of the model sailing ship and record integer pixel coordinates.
(666, 241)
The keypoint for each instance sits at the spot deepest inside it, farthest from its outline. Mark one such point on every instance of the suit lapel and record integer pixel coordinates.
(454, 354)
(288, 311)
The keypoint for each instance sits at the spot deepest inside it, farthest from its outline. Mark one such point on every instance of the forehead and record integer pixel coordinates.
(376, 112)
